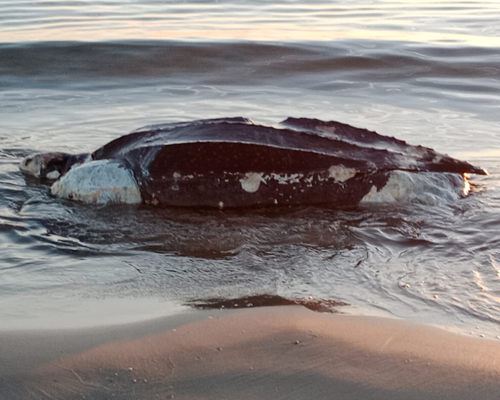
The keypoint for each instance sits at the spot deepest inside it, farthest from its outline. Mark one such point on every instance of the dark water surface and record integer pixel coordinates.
(74, 75)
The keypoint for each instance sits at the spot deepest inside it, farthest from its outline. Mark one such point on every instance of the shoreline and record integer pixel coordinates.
(275, 352)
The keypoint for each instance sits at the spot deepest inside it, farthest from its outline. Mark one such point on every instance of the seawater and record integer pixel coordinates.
(75, 75)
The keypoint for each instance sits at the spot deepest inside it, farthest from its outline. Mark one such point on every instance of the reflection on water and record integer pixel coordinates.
(266, 300)
(471, 23)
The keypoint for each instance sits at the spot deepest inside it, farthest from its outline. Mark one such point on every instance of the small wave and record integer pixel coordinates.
(302, 64)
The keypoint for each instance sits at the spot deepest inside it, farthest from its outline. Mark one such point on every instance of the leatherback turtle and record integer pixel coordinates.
(232, 162)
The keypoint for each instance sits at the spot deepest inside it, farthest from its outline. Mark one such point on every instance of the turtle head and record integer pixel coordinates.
(45, 165)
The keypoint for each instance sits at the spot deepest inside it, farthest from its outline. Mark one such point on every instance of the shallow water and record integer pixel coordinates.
(75, 75)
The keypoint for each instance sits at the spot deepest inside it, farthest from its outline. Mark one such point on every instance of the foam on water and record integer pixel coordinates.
(424, 187)
(99, 182)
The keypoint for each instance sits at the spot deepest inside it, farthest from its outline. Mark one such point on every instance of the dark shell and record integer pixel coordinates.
(206, 162)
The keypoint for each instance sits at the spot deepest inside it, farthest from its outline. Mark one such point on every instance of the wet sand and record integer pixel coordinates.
(267, 353)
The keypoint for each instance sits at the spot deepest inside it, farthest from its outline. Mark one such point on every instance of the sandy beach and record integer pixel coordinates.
(266, 353)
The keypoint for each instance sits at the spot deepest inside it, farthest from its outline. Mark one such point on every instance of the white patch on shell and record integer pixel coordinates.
(341, 173)
(251, 182)
(283, 179)
(422, 187)
(330, 130)
(99, 182)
